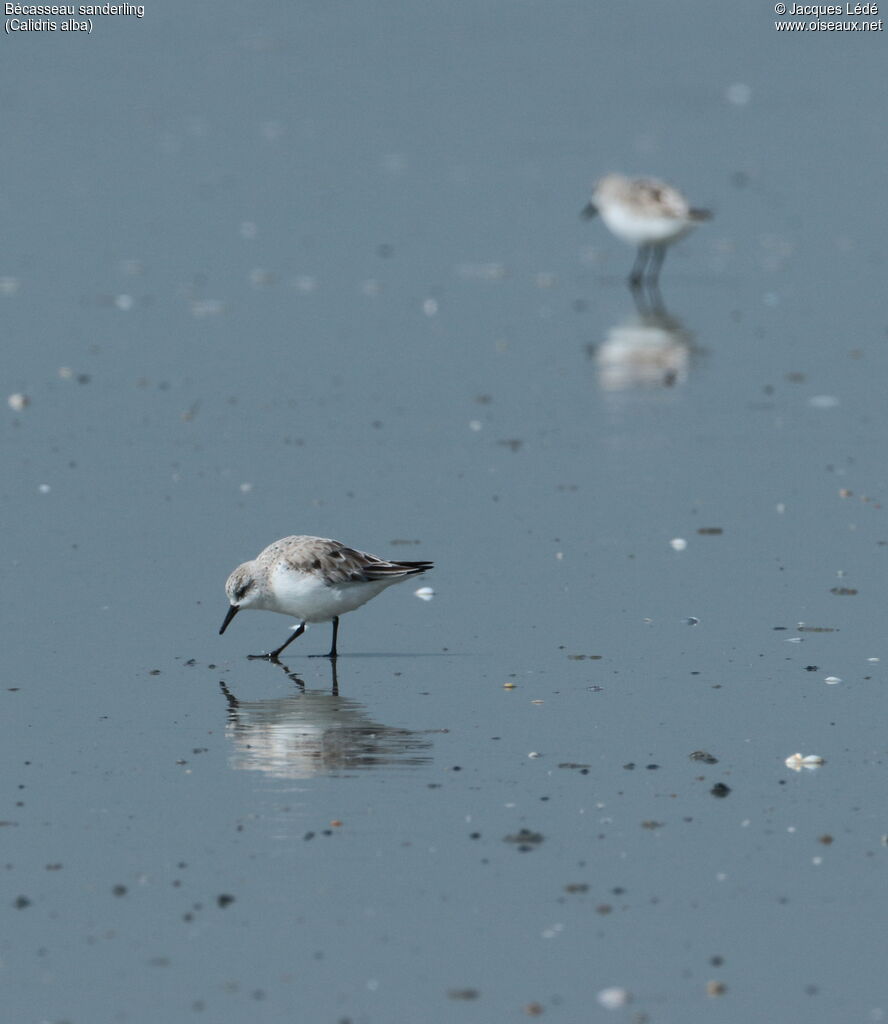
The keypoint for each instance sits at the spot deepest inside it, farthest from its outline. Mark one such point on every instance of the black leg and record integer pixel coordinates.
(332, 652)
(274, 654)
(657, 256)
(637, 274)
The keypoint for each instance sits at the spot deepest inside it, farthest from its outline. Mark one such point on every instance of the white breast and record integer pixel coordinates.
(642, 228)
(305, 596)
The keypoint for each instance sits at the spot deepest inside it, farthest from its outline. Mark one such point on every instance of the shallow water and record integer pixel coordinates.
(321, 270)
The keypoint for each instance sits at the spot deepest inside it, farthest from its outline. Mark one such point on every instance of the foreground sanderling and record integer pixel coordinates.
(643, 212)
(312, 579)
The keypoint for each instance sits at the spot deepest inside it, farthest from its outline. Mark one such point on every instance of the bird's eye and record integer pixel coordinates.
(241, 591)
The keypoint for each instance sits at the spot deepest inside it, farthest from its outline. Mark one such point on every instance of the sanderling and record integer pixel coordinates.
(312, 579)
(643, 212)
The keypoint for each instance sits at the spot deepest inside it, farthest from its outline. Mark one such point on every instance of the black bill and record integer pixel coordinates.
(229, 615)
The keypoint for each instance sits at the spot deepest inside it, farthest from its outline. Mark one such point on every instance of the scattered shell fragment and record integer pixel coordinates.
(482, 271)
(201, 308)
(509, 686)
(716, 988)
(271, 130)
(614, 998)
(394, 163)
(738, 94)
(832, 680)
(823, 401)
(18, 401)
(424, 593)
(678, 543)
(261, 278)
(799, 761)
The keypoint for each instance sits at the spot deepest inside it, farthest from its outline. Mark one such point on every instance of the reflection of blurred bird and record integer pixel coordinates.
(649, 348)
(643, 212)
(314, 733)
(312, 579)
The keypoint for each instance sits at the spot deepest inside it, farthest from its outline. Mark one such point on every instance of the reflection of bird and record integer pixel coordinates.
(314, 580)
(650, 348)
(643, 212)
(313, 733)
